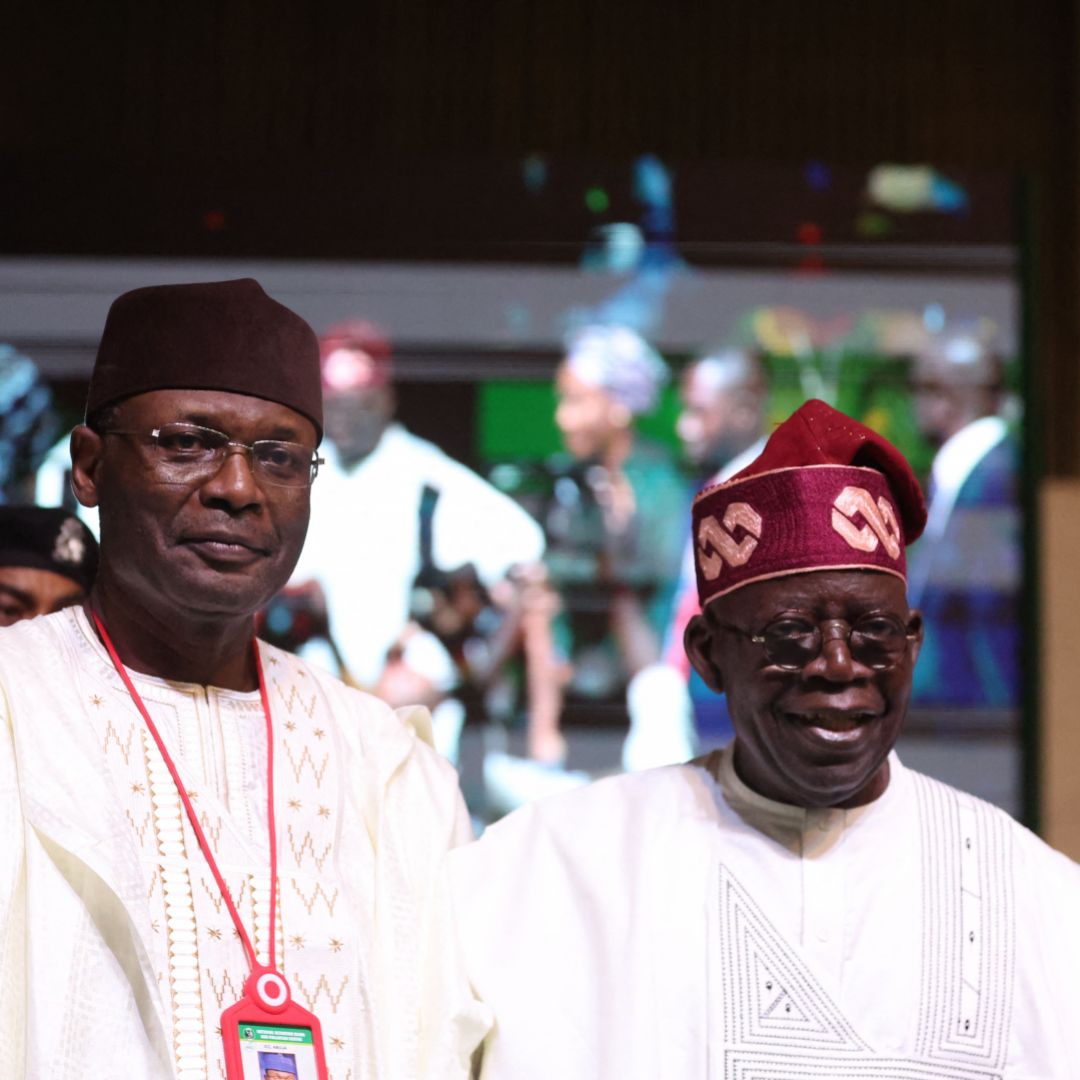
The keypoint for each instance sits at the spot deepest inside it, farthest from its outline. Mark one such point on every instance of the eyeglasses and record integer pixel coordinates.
(791, 642)
(185, 452)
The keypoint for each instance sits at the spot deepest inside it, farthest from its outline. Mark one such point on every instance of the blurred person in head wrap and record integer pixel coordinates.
(401, 535)
(48, 559)
(614, 526)
(797, 903)
(967, 570)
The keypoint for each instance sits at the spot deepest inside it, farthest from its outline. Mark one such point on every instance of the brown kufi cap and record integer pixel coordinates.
(217, 335)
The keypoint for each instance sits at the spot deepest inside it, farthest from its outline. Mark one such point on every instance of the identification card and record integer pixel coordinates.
(267, 1036)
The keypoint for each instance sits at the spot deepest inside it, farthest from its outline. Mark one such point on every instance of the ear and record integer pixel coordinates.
(699, 640)
(916, 629)
(87, 447)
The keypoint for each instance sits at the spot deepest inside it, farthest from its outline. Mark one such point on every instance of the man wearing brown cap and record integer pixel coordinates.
(201, 834)
(797, 904)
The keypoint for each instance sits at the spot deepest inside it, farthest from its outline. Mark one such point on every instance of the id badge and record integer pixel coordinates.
(267, 1036)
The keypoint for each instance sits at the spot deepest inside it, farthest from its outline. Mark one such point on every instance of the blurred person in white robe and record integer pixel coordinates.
(367, 576)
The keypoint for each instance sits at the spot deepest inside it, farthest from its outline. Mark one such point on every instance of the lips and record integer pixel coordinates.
(226, 547)
(832, 727)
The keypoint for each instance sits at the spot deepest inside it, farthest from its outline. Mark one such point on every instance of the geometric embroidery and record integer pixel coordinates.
(140, 830)
(305, 757)
(309, 902)
(293, 698)
(799, 1066)
(969, 944)
(111, 736)
(770, 996)
(780, 1024)
(195, 953)
(308, 845)
(322, 986)
(226, 991)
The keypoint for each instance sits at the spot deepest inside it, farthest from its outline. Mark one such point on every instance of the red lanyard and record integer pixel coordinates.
(204, 846)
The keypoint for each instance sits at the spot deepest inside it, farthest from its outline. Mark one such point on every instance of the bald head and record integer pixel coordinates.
(723, 401)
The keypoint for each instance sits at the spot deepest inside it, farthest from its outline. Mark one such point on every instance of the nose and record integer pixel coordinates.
(688, 428)
(834, 663)
(234, 482)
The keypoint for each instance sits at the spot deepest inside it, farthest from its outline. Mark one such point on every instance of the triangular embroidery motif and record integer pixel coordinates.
(789, 1006)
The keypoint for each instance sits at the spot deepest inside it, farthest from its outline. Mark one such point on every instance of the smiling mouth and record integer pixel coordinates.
(831, 725)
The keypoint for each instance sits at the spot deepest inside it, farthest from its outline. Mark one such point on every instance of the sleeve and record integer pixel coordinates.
(437, 1020)
(477, 523)
(1048, 887)
(13, 989)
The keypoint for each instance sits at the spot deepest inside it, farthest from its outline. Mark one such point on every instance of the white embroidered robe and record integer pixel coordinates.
(663, 924)
(117, 954)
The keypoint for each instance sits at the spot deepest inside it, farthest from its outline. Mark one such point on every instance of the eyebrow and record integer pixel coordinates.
(20, 595)
(281, 432)
(70, 600)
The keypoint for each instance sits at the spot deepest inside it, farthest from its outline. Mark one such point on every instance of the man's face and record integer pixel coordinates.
(709, 425)
(587, 417)
(356, 407)
(819, 736)
(26, 592)
(217, 545)
(947, 398)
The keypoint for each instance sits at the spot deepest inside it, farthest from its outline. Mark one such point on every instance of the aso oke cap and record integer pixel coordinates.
(47, 538)
(218, 335)
(826, 493)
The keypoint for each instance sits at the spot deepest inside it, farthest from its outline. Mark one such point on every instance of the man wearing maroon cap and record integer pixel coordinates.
(384, 493)
(797, 904)
(197, 829)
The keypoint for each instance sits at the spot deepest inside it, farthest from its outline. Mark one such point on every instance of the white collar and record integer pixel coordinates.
(800, 830)
(961, 452)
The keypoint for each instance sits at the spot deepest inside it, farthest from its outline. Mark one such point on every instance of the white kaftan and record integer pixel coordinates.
(117, 954)
(664, 924)
(363, 544)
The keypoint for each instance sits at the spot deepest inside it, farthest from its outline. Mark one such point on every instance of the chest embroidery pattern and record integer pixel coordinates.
(778, 1020)
(197, 955)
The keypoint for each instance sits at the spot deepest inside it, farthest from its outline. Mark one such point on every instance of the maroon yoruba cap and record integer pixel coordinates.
(355, 354)
(216, 335)
(826, 493)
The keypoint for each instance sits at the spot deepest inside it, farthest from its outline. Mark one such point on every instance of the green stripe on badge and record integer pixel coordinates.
(260, 1033)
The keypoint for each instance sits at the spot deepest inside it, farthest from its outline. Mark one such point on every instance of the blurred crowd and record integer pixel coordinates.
(559, 602)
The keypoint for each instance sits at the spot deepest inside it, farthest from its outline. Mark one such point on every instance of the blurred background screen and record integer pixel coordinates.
(500, 290)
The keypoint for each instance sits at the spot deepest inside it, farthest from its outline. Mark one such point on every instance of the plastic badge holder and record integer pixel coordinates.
(266, 1033)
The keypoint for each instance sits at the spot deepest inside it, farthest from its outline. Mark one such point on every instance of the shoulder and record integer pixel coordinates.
(33, 641)
(651, 469)
(399, 442)
(395, 744)
(603, 817)
(1011, 846)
